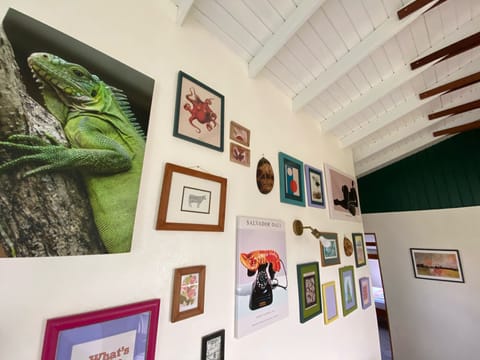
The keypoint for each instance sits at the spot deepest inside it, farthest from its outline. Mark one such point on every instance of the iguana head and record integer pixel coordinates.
(64, 85)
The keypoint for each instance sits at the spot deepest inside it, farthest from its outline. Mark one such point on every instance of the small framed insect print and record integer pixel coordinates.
(239, 134)
(239, 154)
(199, 113)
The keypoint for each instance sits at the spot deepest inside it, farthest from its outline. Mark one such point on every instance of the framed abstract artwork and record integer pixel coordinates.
(329, 298)
(309, 295)
(329, 250)
(347, 288)
(191, 200)
(199, 113)
(359, 247)
(213, 346)
(364, 283)
(128, 330)
(437, 264)
(314, 182)
(188, 292)
(291, 180)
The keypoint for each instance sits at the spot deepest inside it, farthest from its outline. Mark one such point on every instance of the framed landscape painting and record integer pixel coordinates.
(329, 251)
(436, 264)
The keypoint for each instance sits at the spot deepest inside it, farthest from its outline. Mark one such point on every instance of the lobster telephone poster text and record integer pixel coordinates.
(261, 296)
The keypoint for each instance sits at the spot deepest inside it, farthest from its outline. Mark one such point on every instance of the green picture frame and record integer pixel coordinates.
(291, 180)
(309, 292)
(347, 289)
(359, 249)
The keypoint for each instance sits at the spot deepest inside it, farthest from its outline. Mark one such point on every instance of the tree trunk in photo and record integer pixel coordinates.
(44, 214)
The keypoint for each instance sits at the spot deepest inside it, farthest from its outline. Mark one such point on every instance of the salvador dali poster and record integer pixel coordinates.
(72, 141)
(261, 296)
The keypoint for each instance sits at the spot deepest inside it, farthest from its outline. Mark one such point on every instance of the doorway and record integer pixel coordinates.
(378, 296)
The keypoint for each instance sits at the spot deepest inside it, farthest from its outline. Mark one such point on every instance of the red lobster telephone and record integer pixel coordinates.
(261, 262)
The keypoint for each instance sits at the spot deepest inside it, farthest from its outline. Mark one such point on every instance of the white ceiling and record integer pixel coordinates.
(347, 63)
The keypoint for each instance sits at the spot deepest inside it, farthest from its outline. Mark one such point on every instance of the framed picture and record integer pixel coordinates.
(342, 196)
(347, 288)
(239, 134)
(188, 292)
(191, 200)
(330, 308)
(309, 297)
(213, 346)
(239, 154)
(128, 330)
(314, 181)
(199, 113)
(436, 264)
(364, 283)
(291, 180)
(329, 251)
(359, 246)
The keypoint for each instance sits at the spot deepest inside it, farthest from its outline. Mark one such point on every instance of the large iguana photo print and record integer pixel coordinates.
(73, 123)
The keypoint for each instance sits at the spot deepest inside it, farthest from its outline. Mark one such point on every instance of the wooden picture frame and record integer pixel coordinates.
(213, 346)
(347, 288)
(359, 249)
(314, 185)
(191, 200)
(239, 134)
(291, 180)
(365, 296)
(188, 292)
(309, 294)
(330, 304)
(437, 264)
(199, 113)
(239, 154)
(127, 329)
(329, 250)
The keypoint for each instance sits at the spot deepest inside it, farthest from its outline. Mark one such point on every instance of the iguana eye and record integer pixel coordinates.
(77, 72)
(93, 93)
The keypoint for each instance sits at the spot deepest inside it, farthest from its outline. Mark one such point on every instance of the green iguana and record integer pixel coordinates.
(107, 145)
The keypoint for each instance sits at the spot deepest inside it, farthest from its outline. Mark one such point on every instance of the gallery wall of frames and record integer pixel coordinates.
(164, 203)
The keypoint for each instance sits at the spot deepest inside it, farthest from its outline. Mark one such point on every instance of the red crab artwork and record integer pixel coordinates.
(200, 110)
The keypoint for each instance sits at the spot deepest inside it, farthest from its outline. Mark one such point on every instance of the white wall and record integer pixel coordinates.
(143, 34)
(430, 319)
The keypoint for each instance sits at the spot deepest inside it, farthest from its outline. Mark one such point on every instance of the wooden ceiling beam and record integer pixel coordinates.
(455, 110)
(414, 6)
(451, 86)
(459, 47)
(458, 129)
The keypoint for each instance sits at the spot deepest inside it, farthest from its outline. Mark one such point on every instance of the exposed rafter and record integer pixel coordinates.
(281, 36)
(451, 86)
(400, 77)
(455, 110)
(356, 54)
(447, 52)
(183, 9)
(414, 6)
(458, 129)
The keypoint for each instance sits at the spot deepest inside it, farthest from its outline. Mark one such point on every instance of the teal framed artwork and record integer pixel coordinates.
(309, 297)
(291, 180)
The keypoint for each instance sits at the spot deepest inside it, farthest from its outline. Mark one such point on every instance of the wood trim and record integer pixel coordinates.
(372, 256)
(452, 85)
(455, 110)
(457, 129)
(414, 6)
(456, 48)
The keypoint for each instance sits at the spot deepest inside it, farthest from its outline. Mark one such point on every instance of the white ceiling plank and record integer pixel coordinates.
(376, 12)
(281, 36)
(358, 15)
(183, 9)
(398, 79)
(377, 38)
(340, 20)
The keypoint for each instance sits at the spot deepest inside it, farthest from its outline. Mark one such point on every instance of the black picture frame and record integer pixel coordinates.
(437, 264)
(213, 346)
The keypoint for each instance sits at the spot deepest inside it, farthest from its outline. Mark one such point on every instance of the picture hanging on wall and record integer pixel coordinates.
(239, 154)
(329, 250)
(347, 288)
(65, 176)
(265, 176)
(364, 283)
(343, 203)
(314, 182)
(128, 331)
(191, 200)
(359, 246)
(261, 296)
(330, 308)
(437, 264)
(213, 346)
(188, 292)
(239, 134)
(291, 180)
(309, 295)
(199, 113)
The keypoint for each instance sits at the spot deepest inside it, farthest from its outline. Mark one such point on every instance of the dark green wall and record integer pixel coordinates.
(446, 175)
